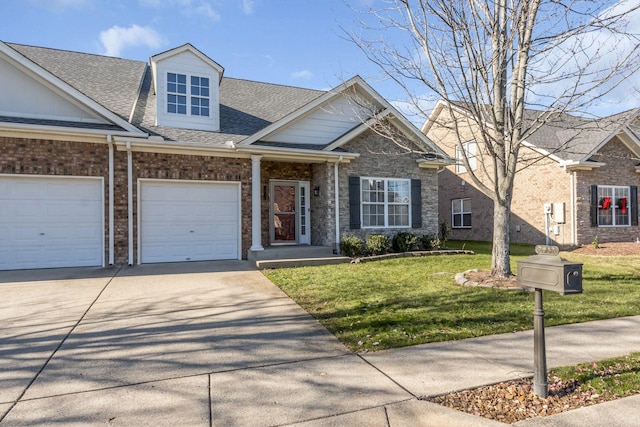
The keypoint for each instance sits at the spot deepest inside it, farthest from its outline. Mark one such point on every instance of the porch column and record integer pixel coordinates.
(256, 210)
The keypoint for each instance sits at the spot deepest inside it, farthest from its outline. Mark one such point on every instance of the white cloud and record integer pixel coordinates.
(208, 11)
(303, 74)
(116, 39)
(247, 6)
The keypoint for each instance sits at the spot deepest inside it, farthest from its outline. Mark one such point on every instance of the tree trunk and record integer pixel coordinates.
(500, 266)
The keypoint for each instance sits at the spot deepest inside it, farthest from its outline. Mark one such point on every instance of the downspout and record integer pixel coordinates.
(572, 202)
(130, 200)
(337, 203)
(111, 208)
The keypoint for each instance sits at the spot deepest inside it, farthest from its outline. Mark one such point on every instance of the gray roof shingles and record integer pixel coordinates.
(121, 84)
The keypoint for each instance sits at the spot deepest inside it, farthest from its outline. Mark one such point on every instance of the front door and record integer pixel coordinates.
(289, 213)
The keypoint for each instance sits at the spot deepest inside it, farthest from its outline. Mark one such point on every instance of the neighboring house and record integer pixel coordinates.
(109, 161)
(580, 181)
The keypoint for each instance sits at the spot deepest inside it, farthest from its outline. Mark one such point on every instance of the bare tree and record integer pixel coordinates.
(507, 67)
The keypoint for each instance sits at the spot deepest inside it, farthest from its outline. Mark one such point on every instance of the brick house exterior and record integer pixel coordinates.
(571, 164)
(110, 161)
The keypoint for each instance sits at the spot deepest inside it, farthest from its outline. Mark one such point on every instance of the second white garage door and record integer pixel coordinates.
(189, 221)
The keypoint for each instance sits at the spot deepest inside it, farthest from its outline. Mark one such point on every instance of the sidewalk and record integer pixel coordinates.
(217, 344)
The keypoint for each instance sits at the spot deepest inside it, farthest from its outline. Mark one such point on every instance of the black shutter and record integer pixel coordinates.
(594, 206)
(634, 204)
(416, 203)
(354, 202)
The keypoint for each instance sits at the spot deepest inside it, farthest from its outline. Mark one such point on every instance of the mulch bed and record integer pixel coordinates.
(610, 249)
(513, 401)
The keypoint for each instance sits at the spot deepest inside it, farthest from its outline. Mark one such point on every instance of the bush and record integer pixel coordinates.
(404, 242)
(427, 242)
(377, 244)
(351, 246)
(443, 234)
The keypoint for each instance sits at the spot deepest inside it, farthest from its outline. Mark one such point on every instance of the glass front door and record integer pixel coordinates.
(283, 205)
(289, 212)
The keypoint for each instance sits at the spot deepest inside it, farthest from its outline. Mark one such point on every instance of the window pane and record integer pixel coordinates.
(457, 220)
(373, 215)
(622, 206)
(398, 215)
(398, 191)
(466, 220)
(456, 206)
(605, 206)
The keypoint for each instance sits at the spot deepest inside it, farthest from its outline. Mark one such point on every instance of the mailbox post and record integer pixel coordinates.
(546, 270)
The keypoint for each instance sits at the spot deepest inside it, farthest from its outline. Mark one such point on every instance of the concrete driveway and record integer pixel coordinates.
(211, 343)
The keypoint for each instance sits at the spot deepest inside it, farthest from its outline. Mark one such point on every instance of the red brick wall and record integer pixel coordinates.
(620, 170)
(51, 157)
(543, 182)
(57, 158)
(183, 167)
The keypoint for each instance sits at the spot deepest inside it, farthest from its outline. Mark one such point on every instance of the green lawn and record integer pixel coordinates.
(407, 301)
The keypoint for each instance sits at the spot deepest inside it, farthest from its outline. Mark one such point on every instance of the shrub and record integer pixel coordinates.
(377, 244)
(404, 242)
(351, 246)
(443, 234)
(427, 242)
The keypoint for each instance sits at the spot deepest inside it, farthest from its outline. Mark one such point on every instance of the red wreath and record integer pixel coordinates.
(606, 203)
(623, 205)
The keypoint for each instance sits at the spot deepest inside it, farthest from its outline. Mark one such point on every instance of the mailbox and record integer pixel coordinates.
(547, 270)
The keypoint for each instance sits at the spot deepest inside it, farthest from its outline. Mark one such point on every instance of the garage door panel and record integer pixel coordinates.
(188, 221)
(51, 222)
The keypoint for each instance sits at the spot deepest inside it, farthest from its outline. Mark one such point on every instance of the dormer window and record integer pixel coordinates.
(199, 96)
(187, 84)
(178, 92)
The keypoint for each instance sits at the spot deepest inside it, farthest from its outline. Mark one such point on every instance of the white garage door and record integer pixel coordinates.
(48, 222)
(189, 221)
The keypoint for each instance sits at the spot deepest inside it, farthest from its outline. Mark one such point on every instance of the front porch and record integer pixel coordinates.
(295, 256)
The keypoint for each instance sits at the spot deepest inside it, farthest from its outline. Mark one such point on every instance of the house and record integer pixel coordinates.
(111, 161)
(578, 179)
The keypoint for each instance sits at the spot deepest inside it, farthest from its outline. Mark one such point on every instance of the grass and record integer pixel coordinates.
(407, 301)
(610, 378)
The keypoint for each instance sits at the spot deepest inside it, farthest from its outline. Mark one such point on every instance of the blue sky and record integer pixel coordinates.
(291, 42)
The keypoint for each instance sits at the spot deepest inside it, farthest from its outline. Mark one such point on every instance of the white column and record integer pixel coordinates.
(256, 209)
(336, 194)
(111, 209)
(130, 201)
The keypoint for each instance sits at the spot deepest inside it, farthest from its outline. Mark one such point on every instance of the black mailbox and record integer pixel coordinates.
(548, 271)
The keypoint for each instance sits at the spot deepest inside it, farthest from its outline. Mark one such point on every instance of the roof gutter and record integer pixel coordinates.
(67, 131)
(575, 165)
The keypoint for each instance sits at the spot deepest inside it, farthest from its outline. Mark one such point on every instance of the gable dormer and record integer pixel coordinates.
(187, 87)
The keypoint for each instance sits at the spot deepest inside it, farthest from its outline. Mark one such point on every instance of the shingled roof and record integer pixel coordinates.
(111, 82)
(571, 137)
(124, 87)
(566, 136)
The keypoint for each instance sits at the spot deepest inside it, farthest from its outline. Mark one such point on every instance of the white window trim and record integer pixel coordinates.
(461, 213)
(471, 150)
(189, 95)
(386, 203)
(614, 207)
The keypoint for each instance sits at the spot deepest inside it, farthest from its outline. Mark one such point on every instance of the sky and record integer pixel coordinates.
(292, 42)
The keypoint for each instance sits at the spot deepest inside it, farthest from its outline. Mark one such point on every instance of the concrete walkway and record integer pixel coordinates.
(217, 344)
